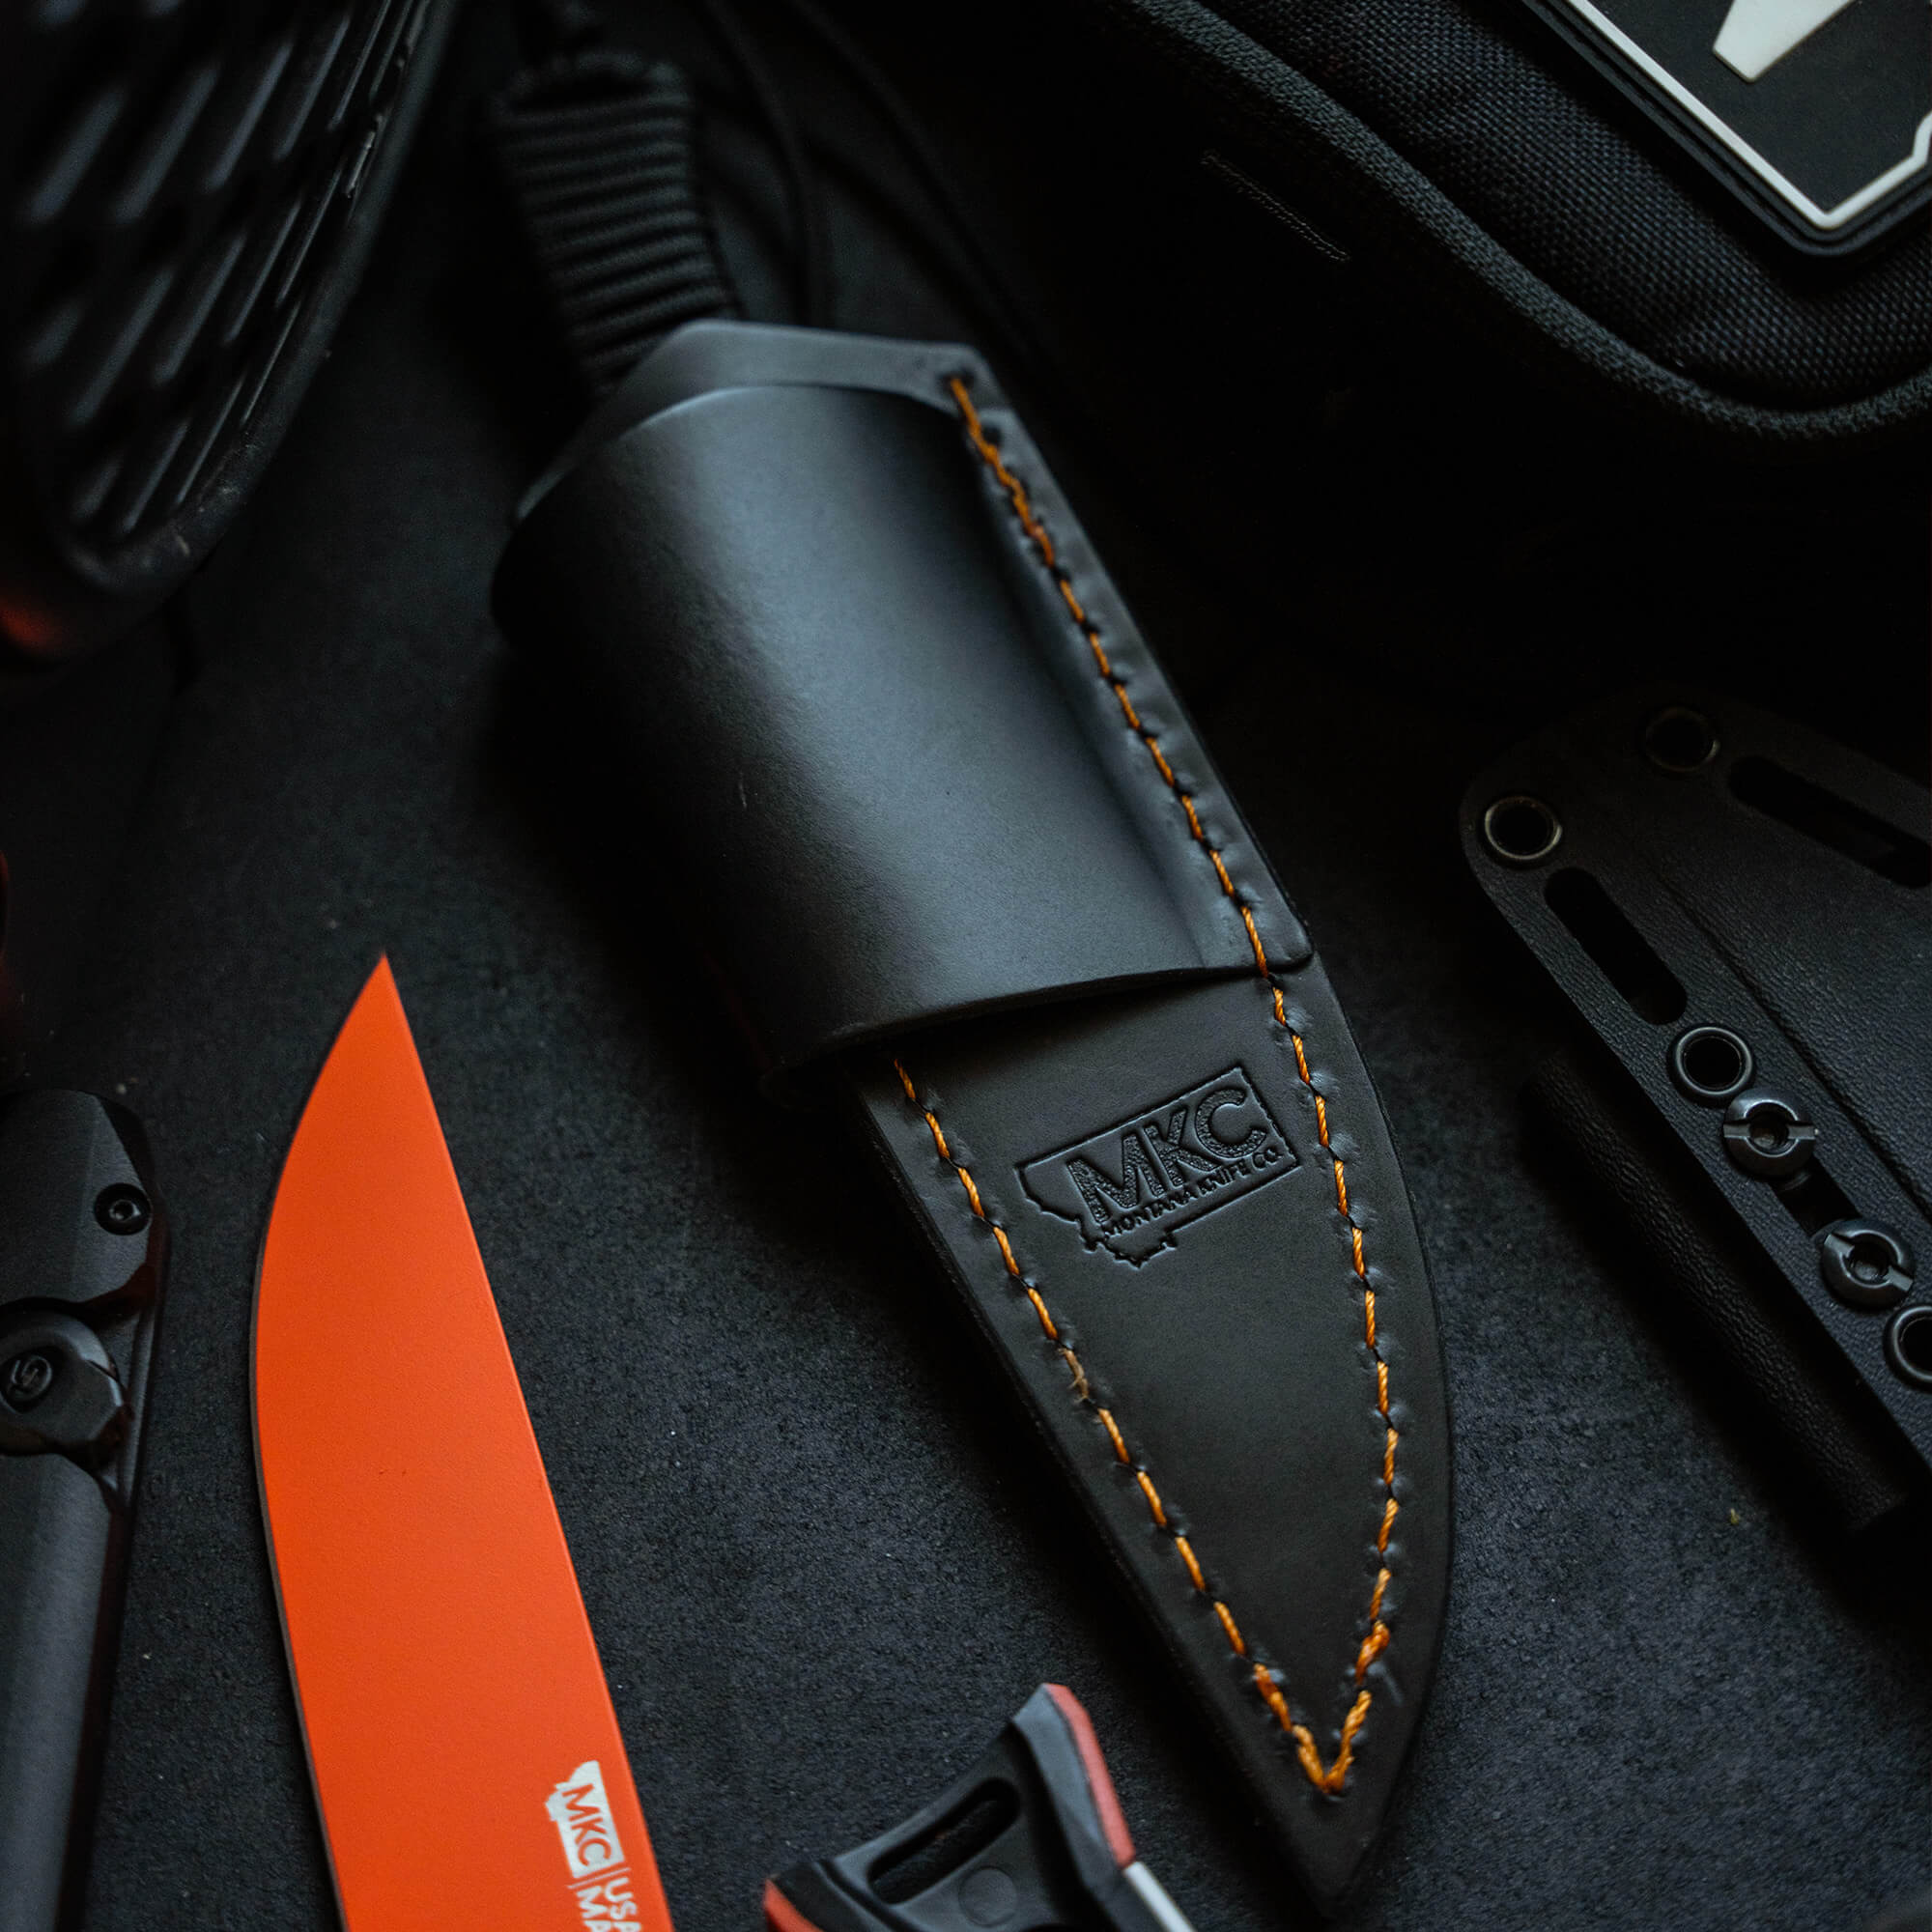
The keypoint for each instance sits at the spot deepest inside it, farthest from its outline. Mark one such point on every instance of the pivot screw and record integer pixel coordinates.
(26, 1379)
(122, 1209)
(1767, 1134)
(1865, 1263)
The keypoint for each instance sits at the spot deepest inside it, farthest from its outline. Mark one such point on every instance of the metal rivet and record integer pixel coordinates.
(1908, 1346)
(122, 1209)
(1710, 1064)
(1521, 830)
(1678, 740)
(1766, 1134)
(1865, 1262)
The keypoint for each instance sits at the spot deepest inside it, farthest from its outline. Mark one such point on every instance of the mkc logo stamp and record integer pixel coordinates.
(600, 1879)
(1132, 1186)
(580, 1810)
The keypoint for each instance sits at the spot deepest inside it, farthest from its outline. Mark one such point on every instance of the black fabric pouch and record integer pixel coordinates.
(1601, 189)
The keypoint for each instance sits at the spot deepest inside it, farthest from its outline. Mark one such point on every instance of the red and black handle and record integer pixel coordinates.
(1031, 1838)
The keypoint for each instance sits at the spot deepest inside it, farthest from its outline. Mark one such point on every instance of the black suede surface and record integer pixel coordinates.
(821, 1554)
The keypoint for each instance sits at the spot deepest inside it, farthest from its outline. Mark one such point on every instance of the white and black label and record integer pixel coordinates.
(1819, 110)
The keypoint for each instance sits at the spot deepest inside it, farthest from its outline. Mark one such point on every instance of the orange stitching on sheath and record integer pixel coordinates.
(1228, 1624)
(1152, 1496)
(1333, 1777)
(1272, 1691)
(990, 454)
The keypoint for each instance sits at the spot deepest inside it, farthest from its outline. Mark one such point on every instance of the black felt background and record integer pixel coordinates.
(822, 1555)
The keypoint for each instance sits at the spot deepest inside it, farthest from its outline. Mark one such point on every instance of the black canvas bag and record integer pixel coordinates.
(1473, 154)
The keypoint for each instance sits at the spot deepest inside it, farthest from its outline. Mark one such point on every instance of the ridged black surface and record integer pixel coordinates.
(177, 186)
(598, 153)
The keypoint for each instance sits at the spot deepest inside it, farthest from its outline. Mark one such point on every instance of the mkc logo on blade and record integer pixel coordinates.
(1129, 1186)
(600, 1881)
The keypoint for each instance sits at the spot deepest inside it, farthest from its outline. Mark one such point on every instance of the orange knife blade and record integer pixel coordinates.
(465, 1757)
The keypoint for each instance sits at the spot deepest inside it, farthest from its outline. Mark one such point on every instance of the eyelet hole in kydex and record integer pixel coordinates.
(1678, 740)
(1908, 1346)
(1710, 1064)
(1521, 830)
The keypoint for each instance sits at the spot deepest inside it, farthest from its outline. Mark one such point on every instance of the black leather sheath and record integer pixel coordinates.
(954, 847)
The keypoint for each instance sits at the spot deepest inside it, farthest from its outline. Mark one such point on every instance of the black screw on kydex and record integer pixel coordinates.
(26, 1380)
(1865, 1263)
(1767, 1134)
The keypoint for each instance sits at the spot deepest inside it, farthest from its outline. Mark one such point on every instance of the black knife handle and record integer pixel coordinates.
(82, 1254)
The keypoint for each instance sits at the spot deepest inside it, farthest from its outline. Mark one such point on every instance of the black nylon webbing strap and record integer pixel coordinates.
(598, 152)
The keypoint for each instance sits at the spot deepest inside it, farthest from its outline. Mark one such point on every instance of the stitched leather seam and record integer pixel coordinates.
(1035, 529)
(1330, 1778)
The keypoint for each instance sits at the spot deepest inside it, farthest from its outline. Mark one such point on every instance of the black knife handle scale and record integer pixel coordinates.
(1030, 1838)
(83, 1247)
